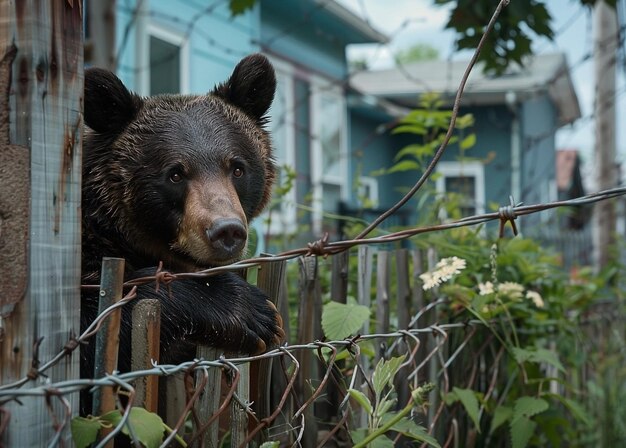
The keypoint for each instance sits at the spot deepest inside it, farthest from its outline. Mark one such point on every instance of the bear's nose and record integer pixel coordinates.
(227, 237)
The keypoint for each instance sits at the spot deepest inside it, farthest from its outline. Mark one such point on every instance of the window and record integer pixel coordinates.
(368, 192)
(163, 61)
(283, 210)
(164, 67)
(466, 179)
(329, 159)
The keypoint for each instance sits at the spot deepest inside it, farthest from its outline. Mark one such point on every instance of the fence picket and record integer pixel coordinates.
(210, 399)
(108, 338)
(339, 277)
(271, 280)
(309, 317)
(404, 315)
(382, 299)
(145, 350)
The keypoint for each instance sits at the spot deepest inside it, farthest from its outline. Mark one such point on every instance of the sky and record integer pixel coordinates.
(408, 22)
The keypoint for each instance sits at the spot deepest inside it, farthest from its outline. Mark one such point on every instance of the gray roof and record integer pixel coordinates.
(541, 75)
(363, 28)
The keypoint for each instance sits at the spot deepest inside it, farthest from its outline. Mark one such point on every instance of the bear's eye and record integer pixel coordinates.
(176, 177)
(238, 172)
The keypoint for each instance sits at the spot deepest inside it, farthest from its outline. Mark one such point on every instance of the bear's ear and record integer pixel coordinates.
(251, 87)
(109, 106)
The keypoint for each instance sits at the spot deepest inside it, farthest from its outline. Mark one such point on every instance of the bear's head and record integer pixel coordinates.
(177, 178)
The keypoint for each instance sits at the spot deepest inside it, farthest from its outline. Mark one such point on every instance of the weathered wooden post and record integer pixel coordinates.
(41, 86)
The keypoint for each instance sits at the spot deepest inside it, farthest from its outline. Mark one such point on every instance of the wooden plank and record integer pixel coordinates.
(339, 277)
(403, 288)
(146, 334)
(309, 316)
(364, 282)
(338, 293)
(364, 290)
(418, 292)
(175, 398)
(238, 415)
(40, 98)
(210, 400)
(404, 316)
(271, 280)
(108, 337)
(383, 284)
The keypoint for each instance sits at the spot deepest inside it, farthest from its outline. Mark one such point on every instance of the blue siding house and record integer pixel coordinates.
(331, 127)
(516, 119)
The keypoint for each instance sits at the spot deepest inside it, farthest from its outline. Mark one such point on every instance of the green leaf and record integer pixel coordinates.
(385, 372)
(575, 408)
(238, 7)
(147, 426)
(414, 150)
(411, 429)
(468, 399)
(84, 431)
(340, 320)
(362, 399)
(381, 442)
(521, 431)
(537, 356)
(404, 165)
(409, 129)
(526, 407)
(464, 121)
(270, 445)
(383, 406)
(500, 416)
(468, 142)
(549, 357)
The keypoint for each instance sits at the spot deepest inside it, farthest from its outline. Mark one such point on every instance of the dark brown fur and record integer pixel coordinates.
(177, 179)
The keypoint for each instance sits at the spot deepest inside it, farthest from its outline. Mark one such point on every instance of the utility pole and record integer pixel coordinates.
(605, 52)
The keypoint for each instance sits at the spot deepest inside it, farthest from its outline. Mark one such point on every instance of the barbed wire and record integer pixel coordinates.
(124, 381)
(323, 247)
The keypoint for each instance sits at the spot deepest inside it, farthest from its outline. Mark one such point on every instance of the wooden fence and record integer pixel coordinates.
(292, 393)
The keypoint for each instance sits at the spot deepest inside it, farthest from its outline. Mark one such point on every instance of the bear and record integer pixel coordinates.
(174, 181)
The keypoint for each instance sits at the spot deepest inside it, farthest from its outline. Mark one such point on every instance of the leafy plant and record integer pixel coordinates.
(382, 418)
(148, 428)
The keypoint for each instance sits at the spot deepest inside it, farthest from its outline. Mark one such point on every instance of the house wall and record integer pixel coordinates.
(493, 146)
(292, 33)
(538, 118)
(216, 41)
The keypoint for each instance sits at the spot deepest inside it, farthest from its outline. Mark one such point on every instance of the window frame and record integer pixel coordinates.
(287, 224)
(473, 169)
(319, 87)
(152, 29)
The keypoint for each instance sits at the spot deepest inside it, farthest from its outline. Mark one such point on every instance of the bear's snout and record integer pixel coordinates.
(227, 237)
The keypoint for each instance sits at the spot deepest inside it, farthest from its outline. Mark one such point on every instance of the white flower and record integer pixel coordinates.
(448, 267)
(485, 288)
(444, 270)
(430, 280)
(536, 298)
(511, 289)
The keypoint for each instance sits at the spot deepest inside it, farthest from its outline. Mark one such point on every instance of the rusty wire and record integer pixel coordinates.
(323, 247)
(124, 381)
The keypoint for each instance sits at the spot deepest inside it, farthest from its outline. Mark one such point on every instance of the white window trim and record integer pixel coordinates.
(143, 55)
(318, 177)
(368, 183)
(468, 169)
(287, 222)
